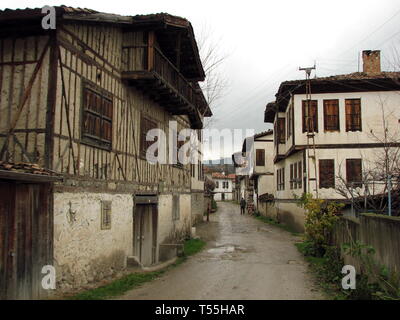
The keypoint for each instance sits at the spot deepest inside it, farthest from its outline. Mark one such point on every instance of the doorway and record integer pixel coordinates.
(26, 238)
(145, 233)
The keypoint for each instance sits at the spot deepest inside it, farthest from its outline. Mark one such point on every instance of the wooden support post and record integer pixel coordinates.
(150, 52)
(51, 101)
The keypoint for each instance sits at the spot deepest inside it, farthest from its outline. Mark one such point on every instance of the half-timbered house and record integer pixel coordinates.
(78, 101)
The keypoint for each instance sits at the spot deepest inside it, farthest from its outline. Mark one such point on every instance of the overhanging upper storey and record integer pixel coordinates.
(158, 53)
(353, 82)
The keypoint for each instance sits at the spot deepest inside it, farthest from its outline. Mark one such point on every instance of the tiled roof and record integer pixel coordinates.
(24, 167)
(218, 175)
(351, 76)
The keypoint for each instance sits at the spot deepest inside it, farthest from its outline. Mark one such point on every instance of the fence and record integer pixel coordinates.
(379, 231)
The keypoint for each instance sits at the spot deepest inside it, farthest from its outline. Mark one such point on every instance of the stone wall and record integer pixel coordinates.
(84, 253)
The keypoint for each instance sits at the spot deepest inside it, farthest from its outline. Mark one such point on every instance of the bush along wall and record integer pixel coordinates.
(331, 241)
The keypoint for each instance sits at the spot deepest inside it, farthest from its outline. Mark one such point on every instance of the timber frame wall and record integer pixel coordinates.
(41, 80)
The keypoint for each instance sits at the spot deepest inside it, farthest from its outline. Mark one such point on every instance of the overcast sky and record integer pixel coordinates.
(266, 42)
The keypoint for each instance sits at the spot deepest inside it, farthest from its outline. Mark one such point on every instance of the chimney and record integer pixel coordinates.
(371, 61)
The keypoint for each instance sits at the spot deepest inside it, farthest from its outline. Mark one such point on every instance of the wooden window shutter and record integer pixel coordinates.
(353, 114)
(354, 171)
(260, 157)
(291, 176)
(281, 130)
(331, 115)
(310, 121)
(300, 175)
(327, 173)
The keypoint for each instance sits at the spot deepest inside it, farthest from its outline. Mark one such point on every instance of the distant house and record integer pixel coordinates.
(77, 103)
(328, 140)
(224, 186)
(255, 170)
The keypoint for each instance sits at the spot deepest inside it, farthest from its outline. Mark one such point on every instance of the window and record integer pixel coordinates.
(327, 173)
(97, 116)
(299, 175)
(281, 130)
(146, 125)
(175, 207)
(280, 176)
(331, 115)
(291, 176)
(353, 172)
(260, 157)
(310, 116)
(105, 215)
(353, 114)
(290, 122)
(217, 184)
(295, 175)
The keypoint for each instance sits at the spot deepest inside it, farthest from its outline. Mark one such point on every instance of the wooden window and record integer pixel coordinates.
(291, 176)
(299, 175)
(310, 116)
(327, 173)
(105, 215)
(97, 114)
(217, 184)
(260, 157)
(354, 172)
(146, 124)
(331, 115)
(281, 130)
(175, 207)
(280, 173)
(295, 175)
(289, 122)
(353, 115)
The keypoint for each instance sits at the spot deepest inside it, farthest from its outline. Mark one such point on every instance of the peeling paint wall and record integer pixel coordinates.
(84, 253)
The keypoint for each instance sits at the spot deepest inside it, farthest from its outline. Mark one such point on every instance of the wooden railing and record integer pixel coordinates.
(150, 58)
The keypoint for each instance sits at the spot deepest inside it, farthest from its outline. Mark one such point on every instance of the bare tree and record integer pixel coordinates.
(371, 192)
(213, 58)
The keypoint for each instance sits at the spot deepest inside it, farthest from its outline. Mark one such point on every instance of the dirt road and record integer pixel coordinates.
(244, 259)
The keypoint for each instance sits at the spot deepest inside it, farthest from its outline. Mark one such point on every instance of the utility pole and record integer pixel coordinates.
(310, 126)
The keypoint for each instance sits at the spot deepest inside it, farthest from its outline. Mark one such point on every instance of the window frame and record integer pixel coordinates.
(306, 123)
(87, 112)
(350, 181)
(260, 157)
(281, 128)
(105, 215)
(328, 103)
(352, 116)
(326, 183)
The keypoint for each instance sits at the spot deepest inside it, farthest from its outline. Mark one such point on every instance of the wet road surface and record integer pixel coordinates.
(244, 259)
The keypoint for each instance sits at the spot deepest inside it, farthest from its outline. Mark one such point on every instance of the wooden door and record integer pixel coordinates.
(26, 238)
(145, 234)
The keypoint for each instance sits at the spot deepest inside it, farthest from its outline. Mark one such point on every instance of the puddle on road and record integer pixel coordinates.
(221, 250)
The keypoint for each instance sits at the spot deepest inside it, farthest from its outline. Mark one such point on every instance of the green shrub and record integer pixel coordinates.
(321, 216)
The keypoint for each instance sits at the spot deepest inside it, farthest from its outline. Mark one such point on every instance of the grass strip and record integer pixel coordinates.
(120, 286)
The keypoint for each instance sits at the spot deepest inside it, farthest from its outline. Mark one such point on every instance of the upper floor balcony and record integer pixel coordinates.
(148, 69)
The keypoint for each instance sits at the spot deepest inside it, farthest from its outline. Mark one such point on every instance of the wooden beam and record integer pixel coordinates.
(150, 60)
